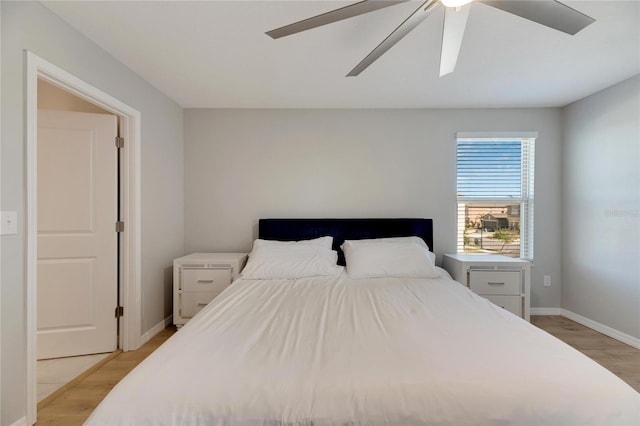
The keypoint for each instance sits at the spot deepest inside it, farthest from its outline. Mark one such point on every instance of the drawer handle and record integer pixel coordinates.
(205, 281)
(494, 283)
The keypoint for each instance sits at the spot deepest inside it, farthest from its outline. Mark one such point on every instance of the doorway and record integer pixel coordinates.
(77, 244)
(129, 298)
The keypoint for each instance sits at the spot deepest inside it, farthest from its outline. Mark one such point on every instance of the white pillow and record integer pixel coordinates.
(325, 242)
(388, 259)
(288, 261)
(415, 240)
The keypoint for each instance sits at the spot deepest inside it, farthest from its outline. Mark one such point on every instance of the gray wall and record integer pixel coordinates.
(600, 208)
(241, 165)
(29, 25)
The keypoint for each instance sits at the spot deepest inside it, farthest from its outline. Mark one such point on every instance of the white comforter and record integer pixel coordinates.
(332, 351)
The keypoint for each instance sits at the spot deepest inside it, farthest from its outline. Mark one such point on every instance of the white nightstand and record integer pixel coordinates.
(198, 278)
(503, 280)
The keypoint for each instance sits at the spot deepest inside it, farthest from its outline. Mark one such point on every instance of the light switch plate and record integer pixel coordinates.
(9, 223)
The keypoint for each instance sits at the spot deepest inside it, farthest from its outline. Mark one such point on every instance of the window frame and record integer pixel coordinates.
(527, 185)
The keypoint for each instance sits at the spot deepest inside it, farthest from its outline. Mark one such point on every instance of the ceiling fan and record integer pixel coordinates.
(550, 13)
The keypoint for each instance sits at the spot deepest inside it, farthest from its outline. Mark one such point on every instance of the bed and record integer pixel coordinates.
(366, 344)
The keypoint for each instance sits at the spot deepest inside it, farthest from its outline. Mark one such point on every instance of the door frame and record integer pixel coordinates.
(130, 241)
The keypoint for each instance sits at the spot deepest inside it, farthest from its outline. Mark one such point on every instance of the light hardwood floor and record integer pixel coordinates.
(621, 359)
(72, 404)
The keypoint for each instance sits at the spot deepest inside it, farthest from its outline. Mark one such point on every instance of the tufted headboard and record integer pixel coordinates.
(345, 229)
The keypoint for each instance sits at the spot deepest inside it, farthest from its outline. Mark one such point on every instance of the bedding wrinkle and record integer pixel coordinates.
(332, 351)
(321, 326)
(374, 303)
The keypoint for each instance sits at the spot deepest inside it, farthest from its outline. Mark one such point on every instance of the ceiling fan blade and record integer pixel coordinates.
(550, 13)
(403, 29)
(346, 12)
(455, 21)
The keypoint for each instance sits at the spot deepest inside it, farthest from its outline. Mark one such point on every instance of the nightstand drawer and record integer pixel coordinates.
(495, 282)
(512, 304)
(192, 303)
(200, 277)
(205, 279)
(503, 280)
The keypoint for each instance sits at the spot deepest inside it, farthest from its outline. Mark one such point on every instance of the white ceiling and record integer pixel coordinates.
(214, 54)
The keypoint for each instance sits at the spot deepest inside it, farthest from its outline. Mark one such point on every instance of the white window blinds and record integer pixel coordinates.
(495, 177)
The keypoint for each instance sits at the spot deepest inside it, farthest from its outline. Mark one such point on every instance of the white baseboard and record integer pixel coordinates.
(546, 311)
(604, 329)
(20, 422)
(601, 328)
(156, 329)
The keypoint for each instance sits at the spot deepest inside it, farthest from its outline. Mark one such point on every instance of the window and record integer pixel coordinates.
(495, 177)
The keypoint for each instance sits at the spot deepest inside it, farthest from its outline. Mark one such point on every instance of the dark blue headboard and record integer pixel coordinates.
(344, 229)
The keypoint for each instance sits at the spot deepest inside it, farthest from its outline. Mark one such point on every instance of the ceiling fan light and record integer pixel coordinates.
(455, 3)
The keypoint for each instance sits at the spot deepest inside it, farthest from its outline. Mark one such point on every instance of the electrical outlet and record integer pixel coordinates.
(9, 223)
(547, 280)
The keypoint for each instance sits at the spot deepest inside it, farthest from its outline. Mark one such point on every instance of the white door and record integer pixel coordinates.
(77, 242)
